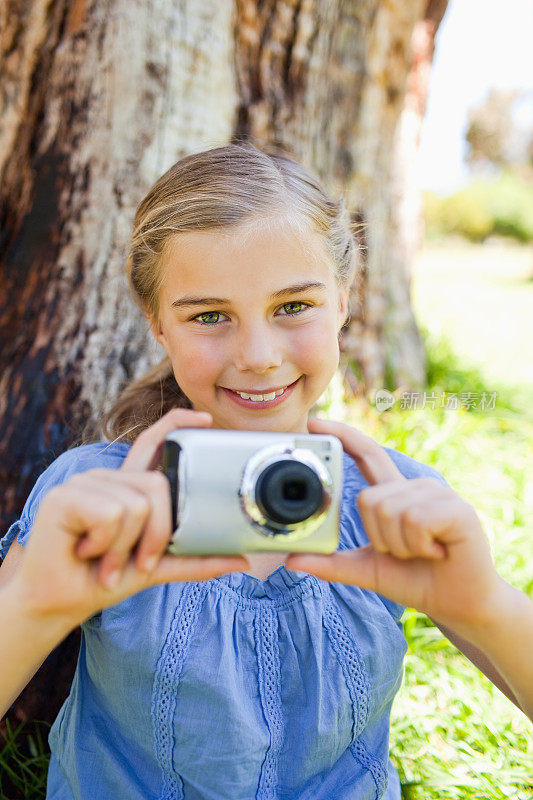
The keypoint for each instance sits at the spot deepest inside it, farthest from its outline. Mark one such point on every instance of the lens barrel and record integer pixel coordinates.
(288, 492)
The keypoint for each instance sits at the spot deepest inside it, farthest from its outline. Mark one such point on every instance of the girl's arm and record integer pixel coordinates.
(26, 639)
(480, 660)
(502, 646)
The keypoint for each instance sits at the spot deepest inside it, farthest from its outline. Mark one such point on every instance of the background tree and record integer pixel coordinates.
(98, 99)
(497, 135)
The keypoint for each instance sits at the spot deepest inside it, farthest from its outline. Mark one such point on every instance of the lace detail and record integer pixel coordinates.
(373, 765)
(270, 693)
(167, 676)
(357, 682)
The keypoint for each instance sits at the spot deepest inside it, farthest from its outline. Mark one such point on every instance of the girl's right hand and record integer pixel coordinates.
(108, 523)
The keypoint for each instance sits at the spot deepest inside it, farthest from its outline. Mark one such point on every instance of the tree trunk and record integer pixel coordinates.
(404, 363)
(98, 100)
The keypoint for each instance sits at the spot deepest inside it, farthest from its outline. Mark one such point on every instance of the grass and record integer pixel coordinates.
(454, 736)
(24, 760)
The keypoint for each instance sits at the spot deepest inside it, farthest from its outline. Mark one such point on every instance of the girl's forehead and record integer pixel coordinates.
(270, 244)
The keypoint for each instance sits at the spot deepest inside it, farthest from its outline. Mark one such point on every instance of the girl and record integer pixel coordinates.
(241, 677)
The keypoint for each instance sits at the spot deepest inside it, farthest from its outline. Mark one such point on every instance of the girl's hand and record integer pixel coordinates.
(103, 534)
(427, 547)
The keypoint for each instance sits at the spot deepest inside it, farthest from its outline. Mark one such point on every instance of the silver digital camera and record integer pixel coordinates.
(239, 492)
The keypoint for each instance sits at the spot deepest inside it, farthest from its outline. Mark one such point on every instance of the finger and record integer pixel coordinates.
(145, 452)
(403, 539)
(446, 519)
(179, 568)
(145, 526)
(405, 582)
(362, 567)
(381, 508)
(367, 503)
(157, 531)
(419, 539)
(100, 541)
(374, 462)
(113, 544)
(79, 509)
(197, 568)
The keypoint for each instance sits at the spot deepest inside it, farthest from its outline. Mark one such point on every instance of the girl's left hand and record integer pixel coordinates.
(427, 548)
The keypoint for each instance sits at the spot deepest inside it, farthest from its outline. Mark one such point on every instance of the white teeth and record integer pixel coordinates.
(257, 398)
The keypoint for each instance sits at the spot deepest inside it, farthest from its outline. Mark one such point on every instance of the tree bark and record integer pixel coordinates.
(405, 359)
(100, 98)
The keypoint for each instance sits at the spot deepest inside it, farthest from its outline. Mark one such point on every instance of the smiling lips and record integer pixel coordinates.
(266, 400)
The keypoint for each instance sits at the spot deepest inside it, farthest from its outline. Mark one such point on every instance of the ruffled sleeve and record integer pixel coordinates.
(352, 532)
(78, 459)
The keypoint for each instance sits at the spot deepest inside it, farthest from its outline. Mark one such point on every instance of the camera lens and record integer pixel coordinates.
(288, 492)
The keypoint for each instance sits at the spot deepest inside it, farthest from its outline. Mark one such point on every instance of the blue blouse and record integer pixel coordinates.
(231, 688)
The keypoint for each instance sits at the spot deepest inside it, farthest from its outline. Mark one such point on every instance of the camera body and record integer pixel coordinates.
(239, 492)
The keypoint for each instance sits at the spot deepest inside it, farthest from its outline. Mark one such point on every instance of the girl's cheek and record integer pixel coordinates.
(314, 345)
(302, 350)
(201, 356)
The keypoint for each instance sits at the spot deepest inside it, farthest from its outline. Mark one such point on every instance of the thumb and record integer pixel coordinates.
(363, 567)
(195, 568)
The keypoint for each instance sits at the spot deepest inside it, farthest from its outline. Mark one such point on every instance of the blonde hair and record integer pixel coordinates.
(222, 187)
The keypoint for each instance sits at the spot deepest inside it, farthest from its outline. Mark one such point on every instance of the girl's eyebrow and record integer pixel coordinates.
(188, 300)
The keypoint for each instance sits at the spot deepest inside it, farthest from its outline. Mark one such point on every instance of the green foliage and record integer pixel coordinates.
(454, 735)
(499, 207)
(24, 756)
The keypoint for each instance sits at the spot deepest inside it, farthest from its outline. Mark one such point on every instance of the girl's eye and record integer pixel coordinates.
(294, 303)
(208, 314)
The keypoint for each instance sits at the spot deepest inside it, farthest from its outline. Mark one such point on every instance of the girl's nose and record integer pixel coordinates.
(257, 349)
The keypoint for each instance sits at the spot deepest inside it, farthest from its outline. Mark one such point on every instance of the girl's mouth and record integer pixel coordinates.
(260, 405)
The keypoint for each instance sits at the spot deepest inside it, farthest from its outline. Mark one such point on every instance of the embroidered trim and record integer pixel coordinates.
(357, 682)
(373, 765)
(167, 675)
(269, 676)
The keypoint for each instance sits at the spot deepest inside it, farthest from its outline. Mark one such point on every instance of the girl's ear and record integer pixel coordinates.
(343, 305)
(157, 331)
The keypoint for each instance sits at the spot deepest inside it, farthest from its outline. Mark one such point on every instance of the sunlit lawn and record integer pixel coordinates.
(454, 735)
(481, 296)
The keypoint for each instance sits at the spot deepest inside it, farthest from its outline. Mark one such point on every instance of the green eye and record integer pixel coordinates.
(208, 314)
(295, 303)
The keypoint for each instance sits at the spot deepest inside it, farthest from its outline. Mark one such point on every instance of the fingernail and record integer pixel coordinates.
(149, 564)
(113, 579)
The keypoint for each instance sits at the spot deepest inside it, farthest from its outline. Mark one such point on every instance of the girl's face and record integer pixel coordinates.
(233, 320)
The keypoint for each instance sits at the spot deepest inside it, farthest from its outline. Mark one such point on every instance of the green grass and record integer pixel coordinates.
(24, 758)
(454, 735)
